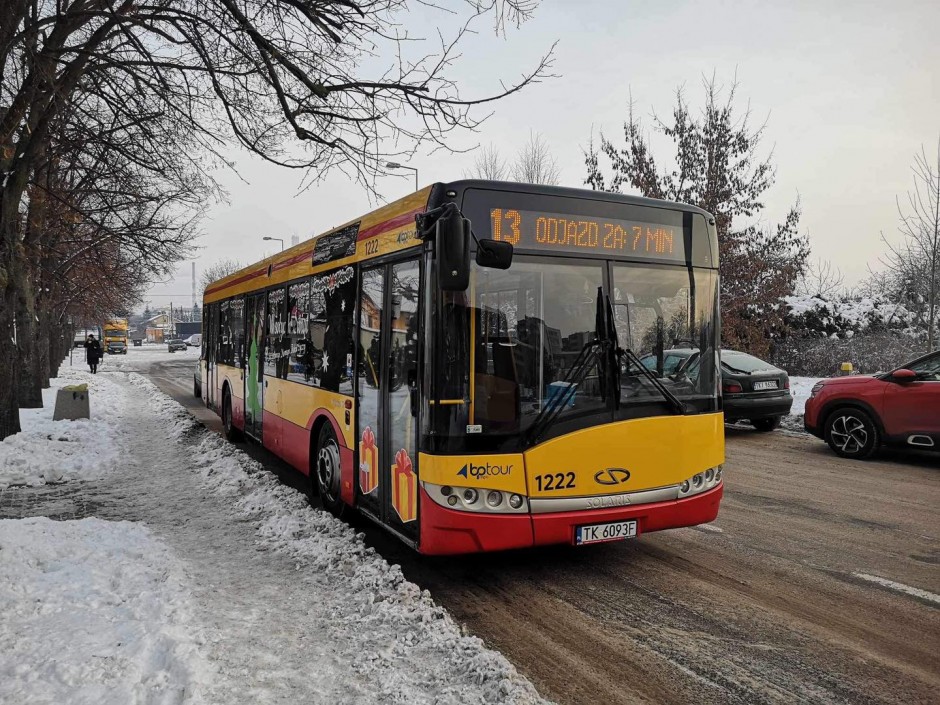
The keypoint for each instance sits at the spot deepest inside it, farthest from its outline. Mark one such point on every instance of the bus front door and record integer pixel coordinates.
(388, 337)
(254, 364)
(211, 348)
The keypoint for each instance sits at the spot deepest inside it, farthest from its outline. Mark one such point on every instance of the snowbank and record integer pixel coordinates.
(48, 451)
(114, 612)
(390, 632)
(93, 612)
(801, 387)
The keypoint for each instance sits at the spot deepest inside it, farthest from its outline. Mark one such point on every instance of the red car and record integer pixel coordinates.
(857, 414)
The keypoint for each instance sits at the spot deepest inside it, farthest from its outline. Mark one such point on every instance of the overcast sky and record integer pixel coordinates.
(850, 91)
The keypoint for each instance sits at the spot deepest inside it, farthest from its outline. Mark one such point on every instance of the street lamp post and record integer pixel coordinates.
(396, 165)
(280, 240)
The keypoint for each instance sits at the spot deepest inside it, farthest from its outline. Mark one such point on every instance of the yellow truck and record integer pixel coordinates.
(115, 336)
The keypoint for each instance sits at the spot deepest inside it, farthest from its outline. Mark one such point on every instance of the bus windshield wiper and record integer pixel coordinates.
(550, 411)
(671, 398)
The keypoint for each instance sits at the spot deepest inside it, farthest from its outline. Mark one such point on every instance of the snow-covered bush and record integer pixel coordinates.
(844, 317)
(872, 333)
(868, 353)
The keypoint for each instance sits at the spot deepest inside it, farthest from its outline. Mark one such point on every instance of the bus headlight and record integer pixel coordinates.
(476, 499)
(700, 482)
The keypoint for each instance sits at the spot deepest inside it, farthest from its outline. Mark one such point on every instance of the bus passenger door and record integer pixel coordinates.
(401, 375)
(387, 477)
(370, 375)
(211, 345)
(254, 364)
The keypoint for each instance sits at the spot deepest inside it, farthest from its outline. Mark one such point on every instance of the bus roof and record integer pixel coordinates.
(386, 230)
(567, 192)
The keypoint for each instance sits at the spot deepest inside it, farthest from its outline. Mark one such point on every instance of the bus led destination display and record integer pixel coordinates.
(537, 230)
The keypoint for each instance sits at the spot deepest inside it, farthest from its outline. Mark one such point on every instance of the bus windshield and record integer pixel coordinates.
(509, 343)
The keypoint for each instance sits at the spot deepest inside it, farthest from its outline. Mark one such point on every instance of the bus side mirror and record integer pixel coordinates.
(453, 251)
(494, 254)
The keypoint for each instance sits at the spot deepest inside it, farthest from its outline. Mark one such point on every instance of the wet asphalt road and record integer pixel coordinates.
(819, 582)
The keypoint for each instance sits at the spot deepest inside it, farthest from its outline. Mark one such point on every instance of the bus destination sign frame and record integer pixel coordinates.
(547, 231)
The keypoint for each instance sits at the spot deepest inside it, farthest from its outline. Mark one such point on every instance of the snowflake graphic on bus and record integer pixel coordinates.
(368, 462)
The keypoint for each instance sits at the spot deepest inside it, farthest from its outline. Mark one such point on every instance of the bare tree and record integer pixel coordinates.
(217, 271)
(267, 73)
(535, 163)
(489, 164)
(915, 262)
(717, 167)
(820, 279)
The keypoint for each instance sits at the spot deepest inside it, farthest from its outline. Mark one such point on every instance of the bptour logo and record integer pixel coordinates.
(485, 470)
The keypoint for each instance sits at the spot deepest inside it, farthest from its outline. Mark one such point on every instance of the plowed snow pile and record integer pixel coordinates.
(203, 579)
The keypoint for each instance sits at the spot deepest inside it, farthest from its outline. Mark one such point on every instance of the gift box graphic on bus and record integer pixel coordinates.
(404, 487)
(368, 462)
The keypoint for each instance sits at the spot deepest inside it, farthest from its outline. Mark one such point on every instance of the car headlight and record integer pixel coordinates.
(816, 388)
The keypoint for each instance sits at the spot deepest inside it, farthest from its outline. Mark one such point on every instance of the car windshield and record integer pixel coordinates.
(742, 362)
(927, 369)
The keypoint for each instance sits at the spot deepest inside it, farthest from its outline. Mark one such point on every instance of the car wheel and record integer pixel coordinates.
(327, 471)
(766, 425)
(231, 433)
(851, 433)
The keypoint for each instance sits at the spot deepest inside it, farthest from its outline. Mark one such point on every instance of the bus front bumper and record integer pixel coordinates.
(447, 531)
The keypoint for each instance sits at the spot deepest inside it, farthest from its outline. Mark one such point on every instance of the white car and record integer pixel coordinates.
(194, 341)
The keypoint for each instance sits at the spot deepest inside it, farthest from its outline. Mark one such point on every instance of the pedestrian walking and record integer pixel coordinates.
(92, 353)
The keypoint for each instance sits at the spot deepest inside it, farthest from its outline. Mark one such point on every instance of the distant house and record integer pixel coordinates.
(161, 327)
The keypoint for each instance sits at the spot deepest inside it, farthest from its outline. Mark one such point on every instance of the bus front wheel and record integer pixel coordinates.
(327, 471)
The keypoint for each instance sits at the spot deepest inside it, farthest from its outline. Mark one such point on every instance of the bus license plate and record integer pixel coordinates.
(772, 384)
(613, 531)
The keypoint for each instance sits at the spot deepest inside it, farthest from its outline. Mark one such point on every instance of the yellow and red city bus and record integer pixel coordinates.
(496, 403)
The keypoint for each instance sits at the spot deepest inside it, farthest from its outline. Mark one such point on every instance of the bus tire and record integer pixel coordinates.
(851, 433)
(232, 434)
(327, 471)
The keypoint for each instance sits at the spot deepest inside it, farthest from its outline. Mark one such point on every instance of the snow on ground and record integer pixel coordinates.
(801, 387)
(284, 603)
(48, 451)
(94, 612)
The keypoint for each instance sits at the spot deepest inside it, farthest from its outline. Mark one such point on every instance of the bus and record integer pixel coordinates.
(462, 366)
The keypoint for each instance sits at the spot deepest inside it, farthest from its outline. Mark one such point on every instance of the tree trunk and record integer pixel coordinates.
(57, 351)
(43, 347)
(30, 391)
(9, 407)
(11, 271)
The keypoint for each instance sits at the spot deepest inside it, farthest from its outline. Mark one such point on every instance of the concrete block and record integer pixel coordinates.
(72, 403)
